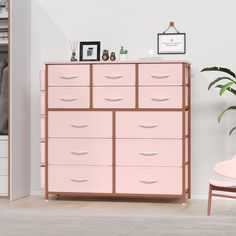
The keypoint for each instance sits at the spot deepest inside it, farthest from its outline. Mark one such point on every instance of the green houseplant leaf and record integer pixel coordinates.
(232, 130)
(223, 112)
(218, 80)
(225, 87)
(233, 91)
(220, 69)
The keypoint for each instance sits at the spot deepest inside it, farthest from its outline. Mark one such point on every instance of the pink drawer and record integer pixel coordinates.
(86, 179)
(80, 151)
(42, 103)
(68, 75)
(149, 124)
(68, 97)
(149, 180)
(42, 80)
(148, 152)
(160, 74)
(42, 152)
(114, 75)
(119, 97)
(80, 124)
(42, 127)
(42, 176)
(160, 97)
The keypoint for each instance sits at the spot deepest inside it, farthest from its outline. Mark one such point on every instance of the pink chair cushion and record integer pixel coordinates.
(227, 168)
(224, 184)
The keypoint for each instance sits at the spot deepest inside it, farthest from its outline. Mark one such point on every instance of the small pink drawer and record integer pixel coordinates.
(149, 124)
(42, 176)
(160, 97)
(68, 97)
(42, 151)
(80, 124)
(86, 179)
(42, 103)
(68, 75)
(80, 151)
(119, 97)
(160, 74)
(114, 75)
(148, 152)
(42, 80)
(42, 127)
(149, 180)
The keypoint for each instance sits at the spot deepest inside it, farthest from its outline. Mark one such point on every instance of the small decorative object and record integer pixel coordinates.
(90, 51)
(171, 43)
(123, 54)
(113, 56)
(105, 55)
(73, 47)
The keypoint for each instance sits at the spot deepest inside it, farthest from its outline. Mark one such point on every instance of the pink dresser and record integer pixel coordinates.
(116, 129)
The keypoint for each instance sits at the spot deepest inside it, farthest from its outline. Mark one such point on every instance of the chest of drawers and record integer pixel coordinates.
(116, 129)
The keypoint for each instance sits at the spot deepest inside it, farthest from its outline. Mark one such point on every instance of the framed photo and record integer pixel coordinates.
(171, 43)
(90, 51)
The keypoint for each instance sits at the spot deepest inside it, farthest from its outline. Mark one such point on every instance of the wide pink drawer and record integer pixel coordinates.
(160, 97)
(85, 179)
(68, 75)
(119, 97)
(160, 74)
(42, 152)
(114, 75)
(68, 97)
(149, 124)
(42, 176)
(42, 127)
(80, 151)
(42, 103)
(148, 152)
(149, 180)
(82, 124)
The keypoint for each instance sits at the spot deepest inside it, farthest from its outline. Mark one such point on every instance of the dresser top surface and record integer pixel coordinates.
(119, 62)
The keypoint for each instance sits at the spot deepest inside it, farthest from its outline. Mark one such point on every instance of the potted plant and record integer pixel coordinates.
(123, 54)
(225, 83)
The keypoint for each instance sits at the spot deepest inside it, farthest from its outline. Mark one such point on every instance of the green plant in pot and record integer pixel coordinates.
(225, 83)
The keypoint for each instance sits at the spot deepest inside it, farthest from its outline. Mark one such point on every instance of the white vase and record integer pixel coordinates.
(123, 57)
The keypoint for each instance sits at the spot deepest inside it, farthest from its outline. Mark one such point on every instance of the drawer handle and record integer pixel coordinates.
(79, 153)
(151, 154)
(160, 76)
(79, 180)
(79, 126)
(68, 77)
(160, 99)
(113, 99)
(148, 182)
(148, 126)
(114, 77)
(68, 99)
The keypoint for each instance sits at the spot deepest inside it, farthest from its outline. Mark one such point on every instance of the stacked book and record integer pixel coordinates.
(3, 30)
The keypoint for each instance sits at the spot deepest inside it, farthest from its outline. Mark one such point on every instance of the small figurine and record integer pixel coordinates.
(113, 56)
(73, 46)
(105, 55)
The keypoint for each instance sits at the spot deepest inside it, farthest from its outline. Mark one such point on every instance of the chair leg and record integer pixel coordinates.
(209, 200)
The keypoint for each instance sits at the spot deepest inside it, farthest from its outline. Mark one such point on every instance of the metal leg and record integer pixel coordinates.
(209, 200)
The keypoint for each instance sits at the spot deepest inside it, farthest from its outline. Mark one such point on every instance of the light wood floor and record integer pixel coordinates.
(195, 207)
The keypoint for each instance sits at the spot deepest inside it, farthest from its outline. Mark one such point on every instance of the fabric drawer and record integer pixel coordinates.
(68, 97)
(114, 75)
(3, 166)
(80, 151)
(68, 75)
(86, 179)
(149, 180)
(80, 124)
(119, 97)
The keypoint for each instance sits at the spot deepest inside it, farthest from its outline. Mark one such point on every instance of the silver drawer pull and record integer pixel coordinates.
(79, 126)
(160, 99)
(114, 77)
(148, 126)
(79, 153)
(113, 99)
(146, 154)
(160, 76)
(68, 77)
(79, 180)
(148, 182)
(68, 99)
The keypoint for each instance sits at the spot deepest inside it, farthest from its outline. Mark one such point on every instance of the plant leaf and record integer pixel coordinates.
(229, 89)
(232, 130)
(223, 112)
(221, 69)
(219, 79)
(225, 87)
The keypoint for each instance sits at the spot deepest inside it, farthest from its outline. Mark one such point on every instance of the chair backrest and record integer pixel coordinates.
(227, 168)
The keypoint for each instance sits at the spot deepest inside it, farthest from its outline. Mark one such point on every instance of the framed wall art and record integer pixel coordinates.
(90, 51)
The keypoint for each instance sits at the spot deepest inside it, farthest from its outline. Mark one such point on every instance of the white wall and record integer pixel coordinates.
(209, 26)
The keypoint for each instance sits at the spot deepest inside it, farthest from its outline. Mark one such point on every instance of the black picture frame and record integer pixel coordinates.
(90, 43)
(168, 34)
